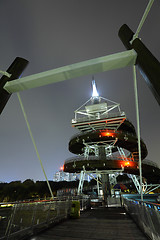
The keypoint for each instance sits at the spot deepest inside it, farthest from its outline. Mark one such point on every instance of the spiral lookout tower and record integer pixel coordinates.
(107, 143)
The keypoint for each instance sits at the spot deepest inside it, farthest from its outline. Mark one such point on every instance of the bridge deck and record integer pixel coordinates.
(100, 223)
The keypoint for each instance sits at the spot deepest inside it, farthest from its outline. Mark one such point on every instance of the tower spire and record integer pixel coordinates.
(95, 93)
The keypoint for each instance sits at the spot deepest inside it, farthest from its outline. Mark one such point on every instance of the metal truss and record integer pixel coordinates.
(96, 175)
(122, 153)
(94, 148)
(146, 188)
(113, 178)
(104, 115)
(135, 180)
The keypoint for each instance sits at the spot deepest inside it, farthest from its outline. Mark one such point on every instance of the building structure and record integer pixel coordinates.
(64, 176)
(106, 145)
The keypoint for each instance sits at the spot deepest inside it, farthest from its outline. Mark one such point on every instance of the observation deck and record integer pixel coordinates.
(107, 141)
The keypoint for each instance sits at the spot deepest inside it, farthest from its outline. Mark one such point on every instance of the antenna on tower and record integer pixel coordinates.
(95, 94)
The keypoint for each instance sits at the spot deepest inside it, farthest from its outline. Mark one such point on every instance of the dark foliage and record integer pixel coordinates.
(18, 191)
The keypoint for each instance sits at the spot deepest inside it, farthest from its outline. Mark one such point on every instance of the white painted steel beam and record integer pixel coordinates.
(93, 66)
(81, 182)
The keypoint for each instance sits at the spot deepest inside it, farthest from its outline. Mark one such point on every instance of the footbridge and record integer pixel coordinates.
(126, 219)
(102, 136)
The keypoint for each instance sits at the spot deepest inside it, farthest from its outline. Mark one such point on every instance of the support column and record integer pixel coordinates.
(97, 175)
(81, 182)
(106, 187)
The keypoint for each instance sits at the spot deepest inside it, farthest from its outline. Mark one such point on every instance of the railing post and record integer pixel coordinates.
(9, 226)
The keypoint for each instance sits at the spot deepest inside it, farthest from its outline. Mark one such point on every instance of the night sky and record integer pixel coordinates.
(55, 33)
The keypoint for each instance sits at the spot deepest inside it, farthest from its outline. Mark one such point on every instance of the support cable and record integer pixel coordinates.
(33, 141)
(143, 19)
(138, 129)
(136, 93)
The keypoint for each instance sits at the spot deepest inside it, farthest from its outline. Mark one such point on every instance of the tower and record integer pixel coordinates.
(106, 144)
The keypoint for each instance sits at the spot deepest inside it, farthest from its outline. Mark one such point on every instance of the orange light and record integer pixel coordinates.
(62, 168)
(107, 134)
(126, 164)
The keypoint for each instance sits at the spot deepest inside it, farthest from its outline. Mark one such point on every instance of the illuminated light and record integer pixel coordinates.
(7, 205)
(126, 164)
(95, 92)
(62, 168)
(107, 134)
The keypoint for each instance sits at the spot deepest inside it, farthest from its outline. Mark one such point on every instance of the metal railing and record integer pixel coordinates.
(101, 117)
(25, 219)
(95, 158)
(146, 215)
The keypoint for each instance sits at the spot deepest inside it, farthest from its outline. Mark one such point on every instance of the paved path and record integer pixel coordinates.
(96, 224)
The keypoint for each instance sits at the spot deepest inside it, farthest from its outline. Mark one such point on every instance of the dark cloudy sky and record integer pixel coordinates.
(54, 33)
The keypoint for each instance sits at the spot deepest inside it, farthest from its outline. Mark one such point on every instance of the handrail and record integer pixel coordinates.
(92, 158)
(26, 219)
(146, 215)
(92, 118)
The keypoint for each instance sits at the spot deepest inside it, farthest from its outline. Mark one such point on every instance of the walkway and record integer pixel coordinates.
(95, 224)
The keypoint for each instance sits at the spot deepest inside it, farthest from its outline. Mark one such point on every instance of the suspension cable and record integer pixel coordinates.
(138, 128)
(33, 141)
(136, 94)
(143, 19)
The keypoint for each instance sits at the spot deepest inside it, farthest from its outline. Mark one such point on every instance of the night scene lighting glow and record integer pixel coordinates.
(107, 134)
(95, 92)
